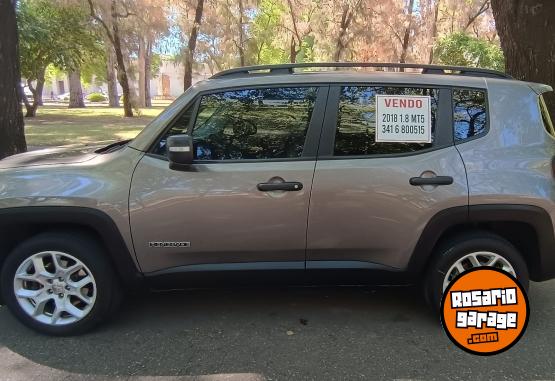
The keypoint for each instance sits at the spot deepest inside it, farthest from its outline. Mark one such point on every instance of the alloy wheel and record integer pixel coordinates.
(55, 288)
(477, 259)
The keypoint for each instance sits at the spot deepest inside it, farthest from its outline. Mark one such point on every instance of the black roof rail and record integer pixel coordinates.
(426, 69)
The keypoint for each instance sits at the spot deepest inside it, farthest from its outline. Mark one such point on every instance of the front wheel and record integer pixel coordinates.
(60, 283)
(468, 251)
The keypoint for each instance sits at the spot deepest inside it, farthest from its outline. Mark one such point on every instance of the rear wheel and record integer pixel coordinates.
(60, 283)
(468, 251)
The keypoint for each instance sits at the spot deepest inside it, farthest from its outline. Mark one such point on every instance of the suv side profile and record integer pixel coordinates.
(277, 173)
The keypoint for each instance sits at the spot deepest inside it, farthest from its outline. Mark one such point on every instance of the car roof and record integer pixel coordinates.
(330, 77)
(350, 76)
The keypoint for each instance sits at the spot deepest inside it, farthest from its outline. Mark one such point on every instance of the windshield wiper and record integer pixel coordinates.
(113, 146)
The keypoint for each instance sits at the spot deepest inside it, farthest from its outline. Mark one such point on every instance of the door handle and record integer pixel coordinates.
(288, 186)
(437, 180)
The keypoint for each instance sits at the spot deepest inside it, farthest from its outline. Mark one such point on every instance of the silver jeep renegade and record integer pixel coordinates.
(404, 174)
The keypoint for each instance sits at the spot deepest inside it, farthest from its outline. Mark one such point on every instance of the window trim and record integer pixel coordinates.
(313, 132)
(487, 127)
(195, 104)
(444, 135)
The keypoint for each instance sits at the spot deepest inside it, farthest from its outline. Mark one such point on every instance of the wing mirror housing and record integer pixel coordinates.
(180, 150)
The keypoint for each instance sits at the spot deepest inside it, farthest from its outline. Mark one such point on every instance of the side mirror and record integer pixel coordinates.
(180, 150)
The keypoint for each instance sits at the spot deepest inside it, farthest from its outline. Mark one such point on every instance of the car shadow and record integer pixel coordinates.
(268, 333)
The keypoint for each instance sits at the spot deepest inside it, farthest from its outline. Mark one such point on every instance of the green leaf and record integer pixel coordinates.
(463, 50)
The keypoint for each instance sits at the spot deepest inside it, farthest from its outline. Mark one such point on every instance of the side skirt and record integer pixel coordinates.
(276, 273)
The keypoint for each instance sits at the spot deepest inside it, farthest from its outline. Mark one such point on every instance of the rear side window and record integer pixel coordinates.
(470, 116)
(547, 121)
(356, 122)
(268, 123)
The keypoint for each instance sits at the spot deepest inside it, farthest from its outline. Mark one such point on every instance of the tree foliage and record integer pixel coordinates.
(213, 35)
(265, 30)
(464, 50)
(93, 68)
(50, 33)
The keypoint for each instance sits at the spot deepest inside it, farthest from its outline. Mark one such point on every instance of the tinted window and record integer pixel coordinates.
(253, 124)
(547, 122)
(469, 113)
(179, 127)
(356, 123)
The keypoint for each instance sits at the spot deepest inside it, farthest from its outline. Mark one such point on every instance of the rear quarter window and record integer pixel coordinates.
(470, 114)
(547, 121)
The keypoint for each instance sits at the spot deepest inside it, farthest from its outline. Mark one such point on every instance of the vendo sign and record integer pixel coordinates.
(403, 119)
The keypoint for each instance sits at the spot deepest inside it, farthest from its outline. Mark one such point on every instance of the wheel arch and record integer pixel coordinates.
(529, 228)
(18, 224)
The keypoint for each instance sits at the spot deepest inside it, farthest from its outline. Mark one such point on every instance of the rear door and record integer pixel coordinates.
(371, 200)
(244, 201)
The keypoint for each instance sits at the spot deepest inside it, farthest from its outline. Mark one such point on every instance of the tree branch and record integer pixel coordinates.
(292, 13)
(99, 20)
(483, 8)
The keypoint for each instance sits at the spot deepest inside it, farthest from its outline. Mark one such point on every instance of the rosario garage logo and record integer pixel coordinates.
(485, 311)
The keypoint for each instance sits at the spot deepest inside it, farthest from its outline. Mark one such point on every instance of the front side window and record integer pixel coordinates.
(469, 113)
(356, 123)
(269, 123)
(179, 127)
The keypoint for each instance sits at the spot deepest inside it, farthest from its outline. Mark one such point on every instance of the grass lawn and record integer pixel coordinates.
(57, 125)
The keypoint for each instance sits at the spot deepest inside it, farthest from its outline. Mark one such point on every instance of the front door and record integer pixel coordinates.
(371, 200)
(244, 201)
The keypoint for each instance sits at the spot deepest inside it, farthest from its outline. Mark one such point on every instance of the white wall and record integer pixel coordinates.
(174, 71)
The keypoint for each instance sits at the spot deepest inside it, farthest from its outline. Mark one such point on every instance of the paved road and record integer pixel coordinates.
(275, 334)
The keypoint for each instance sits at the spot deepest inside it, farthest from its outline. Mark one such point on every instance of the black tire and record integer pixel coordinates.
(81, 246)
(453, 249)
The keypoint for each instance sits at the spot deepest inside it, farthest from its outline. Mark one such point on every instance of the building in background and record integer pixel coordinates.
(167, 84)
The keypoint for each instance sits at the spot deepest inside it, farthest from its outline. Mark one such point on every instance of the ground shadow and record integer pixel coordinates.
(280, 333)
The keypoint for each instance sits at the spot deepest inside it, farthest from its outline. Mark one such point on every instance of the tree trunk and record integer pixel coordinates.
(148, 69)
(294, 42)
(192, 45)
(527, 32)
(241, 35)
(113, 98)
(406, 37)
(31, 108)
(122, 73)
(12, 135)
(40, 87)
(434, 32)
(28, 106)
(345, 22)
(75, 90)
(40, 102)
(293, 50)
(141, 63)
